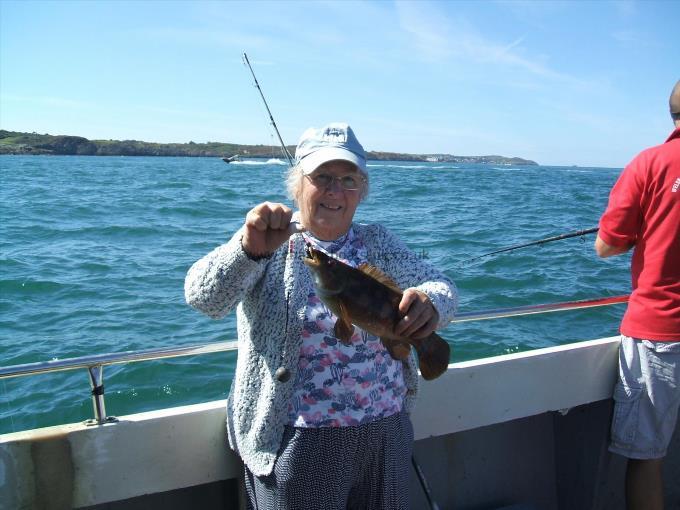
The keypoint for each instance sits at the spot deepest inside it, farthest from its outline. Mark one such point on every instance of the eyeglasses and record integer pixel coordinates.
(347, 182)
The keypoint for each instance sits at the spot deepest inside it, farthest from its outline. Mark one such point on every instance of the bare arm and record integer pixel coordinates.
(606, 250)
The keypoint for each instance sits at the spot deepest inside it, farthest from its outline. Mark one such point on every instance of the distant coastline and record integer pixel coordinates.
(17, 143)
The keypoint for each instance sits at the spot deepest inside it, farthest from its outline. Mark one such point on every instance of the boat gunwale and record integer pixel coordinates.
(100, 360)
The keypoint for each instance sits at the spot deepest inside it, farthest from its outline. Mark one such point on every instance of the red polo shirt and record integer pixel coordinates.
(644, 209)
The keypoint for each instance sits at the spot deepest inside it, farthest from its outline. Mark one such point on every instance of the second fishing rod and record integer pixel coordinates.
(538, 242)
(286, 153)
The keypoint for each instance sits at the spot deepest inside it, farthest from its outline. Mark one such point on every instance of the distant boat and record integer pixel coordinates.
(231, 159)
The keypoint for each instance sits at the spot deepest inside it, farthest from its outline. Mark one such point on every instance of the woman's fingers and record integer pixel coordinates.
(266, 228)
(276, 217)
(269, 215)
(420, 317)
(255, 220)
(428, 328)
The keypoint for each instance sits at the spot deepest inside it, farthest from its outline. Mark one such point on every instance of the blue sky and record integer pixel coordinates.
(562, 83)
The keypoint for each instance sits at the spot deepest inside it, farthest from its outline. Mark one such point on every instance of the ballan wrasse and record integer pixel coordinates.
(366, 297)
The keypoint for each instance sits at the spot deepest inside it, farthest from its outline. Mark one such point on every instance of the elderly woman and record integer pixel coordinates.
(318, 424)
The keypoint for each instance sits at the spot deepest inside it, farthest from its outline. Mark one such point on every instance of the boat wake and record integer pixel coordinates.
(272, 161)
(429, 167)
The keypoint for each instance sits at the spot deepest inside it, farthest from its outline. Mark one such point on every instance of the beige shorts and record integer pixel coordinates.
(647, 397)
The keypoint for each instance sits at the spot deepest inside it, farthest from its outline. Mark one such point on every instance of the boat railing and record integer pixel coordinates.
(95, 363)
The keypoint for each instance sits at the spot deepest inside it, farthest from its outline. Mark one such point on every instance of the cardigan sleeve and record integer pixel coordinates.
(410, 270)
(217, 282)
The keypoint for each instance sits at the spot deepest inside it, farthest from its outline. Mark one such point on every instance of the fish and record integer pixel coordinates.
(366, 297)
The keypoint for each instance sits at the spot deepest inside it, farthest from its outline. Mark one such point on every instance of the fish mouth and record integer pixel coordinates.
(311, 258)
(318, 262)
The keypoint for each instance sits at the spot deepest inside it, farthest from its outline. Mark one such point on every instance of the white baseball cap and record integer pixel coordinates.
(329, 143)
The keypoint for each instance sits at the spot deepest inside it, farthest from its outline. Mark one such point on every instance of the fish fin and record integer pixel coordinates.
(377, 274)
(398, 349)
(343, 329)
(433, 355)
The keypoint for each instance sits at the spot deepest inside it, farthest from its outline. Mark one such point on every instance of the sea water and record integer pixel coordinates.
(94, 250)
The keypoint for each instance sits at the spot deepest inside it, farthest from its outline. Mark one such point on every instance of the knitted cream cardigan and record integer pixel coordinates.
(270, 297)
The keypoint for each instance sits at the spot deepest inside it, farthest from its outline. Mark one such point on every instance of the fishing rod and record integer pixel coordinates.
(271, 118)
(578, 233)
(432, 503)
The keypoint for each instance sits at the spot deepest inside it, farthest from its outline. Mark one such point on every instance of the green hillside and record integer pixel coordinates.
(13, 142)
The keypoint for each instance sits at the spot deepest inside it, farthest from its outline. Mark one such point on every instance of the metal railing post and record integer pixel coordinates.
(96, 373)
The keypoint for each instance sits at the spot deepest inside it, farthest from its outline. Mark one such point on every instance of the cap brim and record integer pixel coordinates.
(314, 160)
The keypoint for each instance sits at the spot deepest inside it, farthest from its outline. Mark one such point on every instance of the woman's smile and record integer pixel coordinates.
(326, 207)
(332, 207)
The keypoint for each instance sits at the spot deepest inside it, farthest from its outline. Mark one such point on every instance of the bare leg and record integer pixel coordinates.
(644, 484)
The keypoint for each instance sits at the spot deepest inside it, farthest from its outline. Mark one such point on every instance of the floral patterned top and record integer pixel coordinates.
(341, 385)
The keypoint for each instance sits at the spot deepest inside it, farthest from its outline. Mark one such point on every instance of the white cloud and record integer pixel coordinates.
(438, 36)
(633, 39)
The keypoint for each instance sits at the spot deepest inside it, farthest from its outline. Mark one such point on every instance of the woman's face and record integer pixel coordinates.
(327, 211)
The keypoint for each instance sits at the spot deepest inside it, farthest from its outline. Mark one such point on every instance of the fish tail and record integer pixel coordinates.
(398, 349)
(433, 356)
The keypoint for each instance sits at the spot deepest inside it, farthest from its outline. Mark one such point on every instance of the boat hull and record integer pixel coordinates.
(523, 429)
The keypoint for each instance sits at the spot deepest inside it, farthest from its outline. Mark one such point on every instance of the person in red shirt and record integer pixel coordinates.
(644, 213)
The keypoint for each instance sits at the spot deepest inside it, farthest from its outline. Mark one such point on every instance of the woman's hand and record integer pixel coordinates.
(267, 227)
(420, 317)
